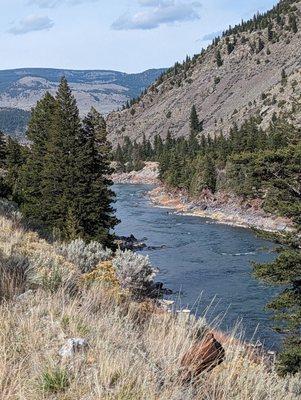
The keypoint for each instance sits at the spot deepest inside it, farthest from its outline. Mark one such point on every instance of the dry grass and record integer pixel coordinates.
(128, 357)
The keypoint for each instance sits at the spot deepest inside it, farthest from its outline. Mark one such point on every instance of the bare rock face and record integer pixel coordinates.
(249, 81)
(203, 356)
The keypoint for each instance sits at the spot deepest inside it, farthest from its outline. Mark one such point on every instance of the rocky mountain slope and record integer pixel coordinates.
(255, 67)
(20, 89)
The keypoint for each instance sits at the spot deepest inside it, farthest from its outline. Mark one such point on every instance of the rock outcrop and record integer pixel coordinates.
(203, 356)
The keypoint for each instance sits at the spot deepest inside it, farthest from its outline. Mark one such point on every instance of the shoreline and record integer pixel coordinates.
(230, 212)
(221, 207)
(149, 175)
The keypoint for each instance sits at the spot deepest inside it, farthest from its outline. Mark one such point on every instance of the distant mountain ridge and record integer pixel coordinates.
(105, 90)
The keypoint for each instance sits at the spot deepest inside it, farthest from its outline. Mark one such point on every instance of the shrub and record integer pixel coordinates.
(134, 272)
(47, 273)
(84, 256)
(104, 273)
(13, 275)
(55, 380)
(10, 210)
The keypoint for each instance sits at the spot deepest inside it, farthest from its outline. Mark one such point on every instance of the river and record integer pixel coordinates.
(203, 262)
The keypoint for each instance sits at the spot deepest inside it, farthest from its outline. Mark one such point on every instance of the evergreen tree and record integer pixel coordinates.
(15, 159)
(2, 150)
(4, 189)
(261, 45)
(60, 161)
(219, 60)
(195, 127)
(209, 174)
(92, 214)
(65, 181)
(158, 146)
(230, 47)
(195, 124)
(270, 32)
(33, 172)
(286, 272)
(119, 158)
(293, 23)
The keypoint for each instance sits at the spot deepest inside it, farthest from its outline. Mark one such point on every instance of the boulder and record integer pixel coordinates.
(205, 355)
(73, 346)
(129, 243)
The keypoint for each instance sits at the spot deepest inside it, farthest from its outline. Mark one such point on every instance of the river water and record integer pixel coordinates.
(203, 262)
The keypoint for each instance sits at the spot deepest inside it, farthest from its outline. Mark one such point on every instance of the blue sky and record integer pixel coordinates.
(125, 35)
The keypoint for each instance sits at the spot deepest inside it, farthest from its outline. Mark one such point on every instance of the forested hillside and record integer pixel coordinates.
(254, 67)
(14, 121)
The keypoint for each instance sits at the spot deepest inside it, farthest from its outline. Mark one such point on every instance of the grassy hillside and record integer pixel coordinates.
(133, 348)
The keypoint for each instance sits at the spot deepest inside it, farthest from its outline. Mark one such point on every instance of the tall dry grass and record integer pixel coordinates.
(132, 354)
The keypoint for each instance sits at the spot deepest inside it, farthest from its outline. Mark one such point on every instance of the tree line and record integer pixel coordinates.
(62, 180)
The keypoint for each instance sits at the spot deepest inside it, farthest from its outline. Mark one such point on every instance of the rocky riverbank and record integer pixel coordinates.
(148, 175)
(221, 207)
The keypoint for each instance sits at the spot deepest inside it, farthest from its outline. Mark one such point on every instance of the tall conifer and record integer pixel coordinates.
(94, 197)
(60, 178)
(33, 173)
(2, 150)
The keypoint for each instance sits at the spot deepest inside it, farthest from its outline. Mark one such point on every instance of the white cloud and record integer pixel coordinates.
(211, 36)
(158, 12)
(153, 3)
(32, 23)
(56, 3)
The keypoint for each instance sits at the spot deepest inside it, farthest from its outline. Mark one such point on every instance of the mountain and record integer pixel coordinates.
(20, 89)
(253, 68)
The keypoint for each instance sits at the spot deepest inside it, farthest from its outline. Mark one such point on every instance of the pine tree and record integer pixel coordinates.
(15, 159)
(219, 60)
(92, 210)
(33, 172)
(286, 271)
(283, 77)
(119, 158)
(158, 146)
(2, 150)
(261, 45)
(230, 47)
(293, 23)
(60, 161)
(195, 124)
(4, 189)
(270, 33)
(169, 142)
(209, 174)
